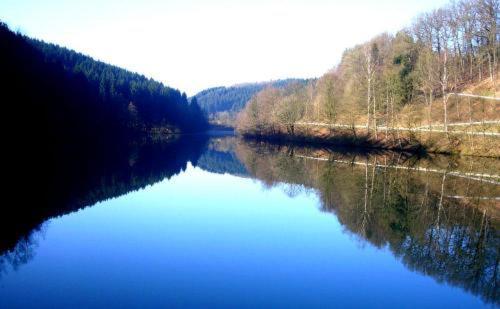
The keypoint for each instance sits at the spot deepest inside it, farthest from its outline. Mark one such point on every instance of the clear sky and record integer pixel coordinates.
(194, 44)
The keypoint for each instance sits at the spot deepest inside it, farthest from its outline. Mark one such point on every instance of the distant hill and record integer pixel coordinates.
(223, 103)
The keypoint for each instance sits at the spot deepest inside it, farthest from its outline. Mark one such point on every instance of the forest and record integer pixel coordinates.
(55, 95)
(432, 84)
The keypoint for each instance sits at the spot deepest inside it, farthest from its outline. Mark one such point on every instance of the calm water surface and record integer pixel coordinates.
(242, 224)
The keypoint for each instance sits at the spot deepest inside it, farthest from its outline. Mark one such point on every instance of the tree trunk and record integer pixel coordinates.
(445, 107)
(431, 98)
(375, 116)
(490, 66)
(368, 99)
(444, 83)
(386, 112)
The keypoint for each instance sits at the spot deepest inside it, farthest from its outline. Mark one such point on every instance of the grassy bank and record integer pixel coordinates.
(431, 142)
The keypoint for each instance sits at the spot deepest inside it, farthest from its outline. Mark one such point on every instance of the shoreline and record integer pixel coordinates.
(428, 143)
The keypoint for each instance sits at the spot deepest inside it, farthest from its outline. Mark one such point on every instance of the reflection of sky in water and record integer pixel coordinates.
(209, 239)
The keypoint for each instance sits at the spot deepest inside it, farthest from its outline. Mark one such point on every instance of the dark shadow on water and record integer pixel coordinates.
(68, 178)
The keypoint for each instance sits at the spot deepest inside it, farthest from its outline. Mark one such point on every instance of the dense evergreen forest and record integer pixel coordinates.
(407, 80)
(223, 103)
(56, 94)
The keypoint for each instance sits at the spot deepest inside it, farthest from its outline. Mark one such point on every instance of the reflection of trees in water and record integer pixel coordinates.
(23, 251)
(293, 190)
(389, 200)
(76, 178)
(219, 157)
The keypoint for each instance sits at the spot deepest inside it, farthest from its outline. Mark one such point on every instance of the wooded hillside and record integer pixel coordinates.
(408, 81)
(57, 93)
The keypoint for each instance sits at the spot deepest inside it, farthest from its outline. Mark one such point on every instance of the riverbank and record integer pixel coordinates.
(460, 143)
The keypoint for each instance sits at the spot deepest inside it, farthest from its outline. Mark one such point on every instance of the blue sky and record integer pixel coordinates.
(193, 44)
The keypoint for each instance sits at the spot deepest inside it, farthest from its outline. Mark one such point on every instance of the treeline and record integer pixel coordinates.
(52, 93)
(148, 102)
(396, 80)
(223, 103)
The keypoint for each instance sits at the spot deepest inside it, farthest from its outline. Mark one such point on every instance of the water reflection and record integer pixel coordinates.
(438, 215)
(75, 178)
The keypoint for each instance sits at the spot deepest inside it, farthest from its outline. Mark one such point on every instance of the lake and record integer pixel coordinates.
(217, 221)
